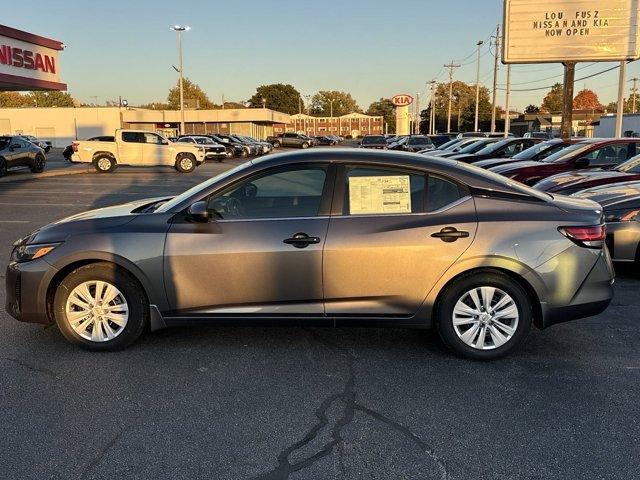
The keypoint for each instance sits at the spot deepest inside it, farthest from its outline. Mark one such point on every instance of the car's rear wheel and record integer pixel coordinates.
(104, 163)
(185, 163)
(305, 145)
(100, 307)
(484, 316)
(276, 144)
(3, 167)
(38, 164)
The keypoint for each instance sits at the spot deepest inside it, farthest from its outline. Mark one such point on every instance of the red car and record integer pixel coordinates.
(589, 154)
(572, 182)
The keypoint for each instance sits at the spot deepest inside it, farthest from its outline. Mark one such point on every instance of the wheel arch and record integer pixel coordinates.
(103, 152)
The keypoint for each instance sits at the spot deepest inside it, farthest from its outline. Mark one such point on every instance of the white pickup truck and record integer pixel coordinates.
(137, 147)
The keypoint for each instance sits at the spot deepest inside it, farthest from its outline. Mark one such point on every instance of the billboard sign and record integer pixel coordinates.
(555, 31)
(402, 100)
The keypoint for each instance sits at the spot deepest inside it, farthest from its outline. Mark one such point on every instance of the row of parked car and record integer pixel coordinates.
(300, 140)
(604, 170)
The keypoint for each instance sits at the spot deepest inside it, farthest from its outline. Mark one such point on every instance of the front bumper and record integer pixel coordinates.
(26, 290)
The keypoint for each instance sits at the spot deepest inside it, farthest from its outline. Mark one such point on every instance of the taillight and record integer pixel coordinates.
(74, 146)
(591, 236)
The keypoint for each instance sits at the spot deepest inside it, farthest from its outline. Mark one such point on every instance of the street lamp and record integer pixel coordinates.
(264, 102)
(475, 128)
(179, 29)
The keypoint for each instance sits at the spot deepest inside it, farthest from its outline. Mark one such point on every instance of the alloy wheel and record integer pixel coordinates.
(97, 311)
(104, 164)
(186, 163)
(485, 318)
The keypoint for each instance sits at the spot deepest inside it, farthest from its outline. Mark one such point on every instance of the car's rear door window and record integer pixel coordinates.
(441, 193)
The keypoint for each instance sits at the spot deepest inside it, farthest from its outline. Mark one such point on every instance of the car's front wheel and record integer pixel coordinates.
(38, 164)
(484, 316)
(185, 163)
(100, 307)
(305, 145)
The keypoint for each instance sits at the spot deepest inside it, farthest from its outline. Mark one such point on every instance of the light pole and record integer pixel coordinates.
(264, 102)
(179, 29)
(331, 109)
(475, 128)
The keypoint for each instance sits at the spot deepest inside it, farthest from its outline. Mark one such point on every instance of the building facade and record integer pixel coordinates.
(63, 125)
(352, 125)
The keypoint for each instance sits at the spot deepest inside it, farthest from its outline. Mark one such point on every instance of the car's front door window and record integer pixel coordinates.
(290, 193)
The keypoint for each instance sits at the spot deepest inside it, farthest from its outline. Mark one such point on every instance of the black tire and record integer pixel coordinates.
(305, 145)
(38, 164)
(138, 307)
(185, 163)
(455, 291)
(104, 163)
(276, 144)
(3, 167)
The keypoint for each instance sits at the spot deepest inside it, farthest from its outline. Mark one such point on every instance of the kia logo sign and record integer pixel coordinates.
(402, 100)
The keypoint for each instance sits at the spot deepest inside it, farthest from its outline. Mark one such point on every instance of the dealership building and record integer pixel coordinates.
(350, 125)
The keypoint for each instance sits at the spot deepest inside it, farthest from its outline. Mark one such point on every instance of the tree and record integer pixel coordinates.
(532, 109)
(277, 96)
(463, 101)
(12, 100)
(587, 100)
(384, 108)
(192, 93)
(326, 102)
(233, 105)
(50, 99)
(553, 102)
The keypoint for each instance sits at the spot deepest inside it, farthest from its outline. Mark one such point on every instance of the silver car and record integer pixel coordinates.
(326, 237)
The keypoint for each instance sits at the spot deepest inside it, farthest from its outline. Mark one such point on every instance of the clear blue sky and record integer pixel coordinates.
(369, 48)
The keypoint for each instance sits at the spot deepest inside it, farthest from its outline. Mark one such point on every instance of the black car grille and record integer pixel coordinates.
(215, 149)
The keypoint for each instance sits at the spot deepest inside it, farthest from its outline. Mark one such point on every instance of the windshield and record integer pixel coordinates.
(568, 152)
(373, 139)
(201, 186)
(519, 187)
(532, 152)
(631, 166)
(473, 147)
(449, 144)
(204, 141)
(4, 142)
(493, 147)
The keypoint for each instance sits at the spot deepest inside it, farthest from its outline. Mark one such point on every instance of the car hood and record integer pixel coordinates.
(92, 220)
(502, 169)
(615, 196)
(576, 177)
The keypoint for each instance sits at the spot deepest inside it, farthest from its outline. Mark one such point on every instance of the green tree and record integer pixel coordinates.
(532, 109)
(463, 101)
(277, 96)
(553, 102)
(193, 96)
(326, 102)
(12, 100)
(384, 108)
(50, 99)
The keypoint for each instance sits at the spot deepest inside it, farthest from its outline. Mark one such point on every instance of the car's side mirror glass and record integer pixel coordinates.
(198, 212)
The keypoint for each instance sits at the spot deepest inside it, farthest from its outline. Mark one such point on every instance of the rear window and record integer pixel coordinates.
(419, 141)
(373, 139)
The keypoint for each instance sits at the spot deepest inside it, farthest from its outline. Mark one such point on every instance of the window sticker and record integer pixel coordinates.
(387, 194)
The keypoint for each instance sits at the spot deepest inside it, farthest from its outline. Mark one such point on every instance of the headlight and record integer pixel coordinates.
(26, 253)
(622, 215)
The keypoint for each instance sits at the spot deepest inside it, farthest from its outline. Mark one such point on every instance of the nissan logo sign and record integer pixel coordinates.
(402, 100)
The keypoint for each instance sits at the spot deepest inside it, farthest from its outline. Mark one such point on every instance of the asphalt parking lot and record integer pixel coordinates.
(305, 403)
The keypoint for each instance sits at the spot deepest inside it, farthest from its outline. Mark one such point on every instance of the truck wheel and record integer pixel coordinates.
(305, 145)
(104, 163)
(276, 144)
(185, 163)
(38, 164)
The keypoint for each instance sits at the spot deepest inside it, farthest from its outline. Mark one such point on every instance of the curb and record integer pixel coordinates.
(58, 172)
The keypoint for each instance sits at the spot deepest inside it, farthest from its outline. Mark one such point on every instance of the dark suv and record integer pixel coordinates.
(16, 151)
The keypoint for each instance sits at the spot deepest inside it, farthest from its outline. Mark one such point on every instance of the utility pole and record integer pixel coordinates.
(507, 119)
(635, 92)
(475, 125)
(416, 126)
(179, 29)
(495, 80)
(620, 115)
(566, 130)
(432, 117)
(451, 67)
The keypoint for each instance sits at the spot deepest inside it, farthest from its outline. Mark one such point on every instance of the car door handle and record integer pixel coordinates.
(450, 234)
(301, 240)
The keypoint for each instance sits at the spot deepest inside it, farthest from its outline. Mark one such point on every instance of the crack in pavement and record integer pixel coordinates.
(28, 366)
(347, 397)
(103, 451)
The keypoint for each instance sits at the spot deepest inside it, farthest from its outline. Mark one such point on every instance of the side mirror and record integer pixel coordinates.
(198, 212)
(582, 162)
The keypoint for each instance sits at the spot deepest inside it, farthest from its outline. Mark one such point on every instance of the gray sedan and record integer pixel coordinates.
(326, 237)
(16, 151)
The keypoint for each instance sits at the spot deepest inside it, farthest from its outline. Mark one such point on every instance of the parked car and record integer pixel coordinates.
(541, 135)
(15, 151)
(416, 143)
(439, 140)
(536, 153)
(212, 149)
(621, 204)
(501, 149)
(262, 147)
(253, 148)
(577, 180)
(484, 135)
(45, 145)
(398, 143)
(374, 141)
(234, 147)
(447, 147)
(360, 236)
(140, 148)
(590, 153)
(290, 139)
(474, 145)
(325, 140)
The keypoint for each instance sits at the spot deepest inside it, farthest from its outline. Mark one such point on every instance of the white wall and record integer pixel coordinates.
(607, 127)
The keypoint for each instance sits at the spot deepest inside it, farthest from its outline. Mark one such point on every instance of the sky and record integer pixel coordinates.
(371, 48)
